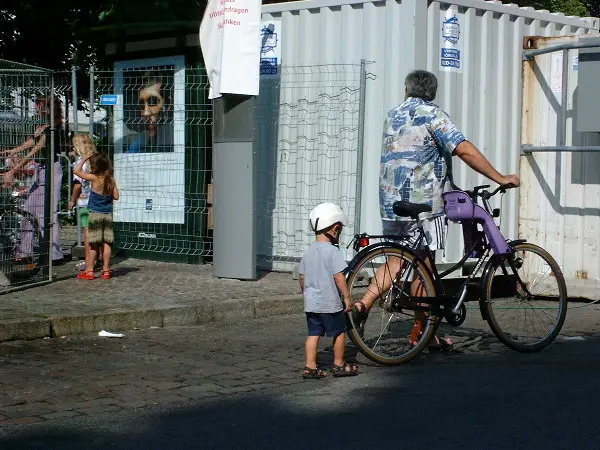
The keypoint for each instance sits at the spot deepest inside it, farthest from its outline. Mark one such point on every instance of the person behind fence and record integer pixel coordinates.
(321, 281)
(25, 165)
(84, 148)
(155, 116)
(419, 140)
(100, 205)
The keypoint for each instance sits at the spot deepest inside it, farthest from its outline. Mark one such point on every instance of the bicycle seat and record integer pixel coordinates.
(412, 210)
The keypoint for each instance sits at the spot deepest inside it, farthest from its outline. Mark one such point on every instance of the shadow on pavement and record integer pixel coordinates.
(504, 400)
(123, 271)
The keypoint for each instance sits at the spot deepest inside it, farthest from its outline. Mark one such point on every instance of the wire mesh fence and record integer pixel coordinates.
(154, 120)
(309, 123)
(29, 118)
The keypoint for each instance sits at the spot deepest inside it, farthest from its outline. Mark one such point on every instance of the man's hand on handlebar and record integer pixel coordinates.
(510, 181)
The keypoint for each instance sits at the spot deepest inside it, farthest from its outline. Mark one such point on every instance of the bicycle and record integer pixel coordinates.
(408, 285)
(17, 227)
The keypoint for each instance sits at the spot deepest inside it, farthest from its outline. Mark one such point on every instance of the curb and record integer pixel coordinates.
(228, 311)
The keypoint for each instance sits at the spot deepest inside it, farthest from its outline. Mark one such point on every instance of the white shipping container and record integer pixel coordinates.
(560, 196)
(473, 46)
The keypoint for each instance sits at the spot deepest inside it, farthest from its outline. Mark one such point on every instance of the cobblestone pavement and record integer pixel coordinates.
(50, 379)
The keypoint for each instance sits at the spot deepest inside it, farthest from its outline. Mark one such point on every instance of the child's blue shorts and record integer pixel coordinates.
(330, 324)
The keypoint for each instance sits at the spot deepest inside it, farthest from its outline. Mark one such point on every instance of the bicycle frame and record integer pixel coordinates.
(489, 240)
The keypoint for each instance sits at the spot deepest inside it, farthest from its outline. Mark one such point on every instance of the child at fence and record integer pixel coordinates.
(100, 205)
(322, 280)
(84, 147)
(26, 162)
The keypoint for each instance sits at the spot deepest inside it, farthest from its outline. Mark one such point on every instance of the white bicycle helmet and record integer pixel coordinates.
(326, 214)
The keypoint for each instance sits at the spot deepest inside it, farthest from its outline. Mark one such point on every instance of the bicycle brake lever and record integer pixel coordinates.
(479, 188)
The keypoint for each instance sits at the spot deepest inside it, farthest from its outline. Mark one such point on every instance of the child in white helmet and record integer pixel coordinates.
(322, 280)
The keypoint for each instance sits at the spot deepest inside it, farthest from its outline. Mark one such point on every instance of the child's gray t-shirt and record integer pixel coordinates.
(320, 263)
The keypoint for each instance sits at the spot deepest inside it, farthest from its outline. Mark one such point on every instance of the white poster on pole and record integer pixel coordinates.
(229, 35)
(451, 51)
(270, 47)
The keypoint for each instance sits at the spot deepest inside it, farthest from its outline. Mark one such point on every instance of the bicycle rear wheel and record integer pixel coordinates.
(385, 335)
(526, 298)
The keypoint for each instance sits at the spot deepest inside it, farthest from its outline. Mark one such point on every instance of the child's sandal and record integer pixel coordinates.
(106, 274)
(345, 370)
(313, 374)
(86, 275)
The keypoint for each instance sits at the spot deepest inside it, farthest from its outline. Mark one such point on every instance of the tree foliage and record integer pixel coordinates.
(49, 33)
(41, 33)
(568, 7)
(593, 7)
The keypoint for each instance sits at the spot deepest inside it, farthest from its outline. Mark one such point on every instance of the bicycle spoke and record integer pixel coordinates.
(389, 272)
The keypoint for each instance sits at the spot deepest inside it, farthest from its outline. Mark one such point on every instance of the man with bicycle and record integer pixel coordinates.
(419, 140)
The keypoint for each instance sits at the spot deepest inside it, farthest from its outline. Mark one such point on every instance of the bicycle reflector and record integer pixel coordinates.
(363, 242)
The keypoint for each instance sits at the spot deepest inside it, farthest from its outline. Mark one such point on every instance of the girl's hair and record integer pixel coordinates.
(83, 145)
(101, 166)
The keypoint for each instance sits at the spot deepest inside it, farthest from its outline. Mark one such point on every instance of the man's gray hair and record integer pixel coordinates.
(421, 84)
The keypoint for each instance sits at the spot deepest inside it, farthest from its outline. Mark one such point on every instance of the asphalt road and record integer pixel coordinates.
(239, 386)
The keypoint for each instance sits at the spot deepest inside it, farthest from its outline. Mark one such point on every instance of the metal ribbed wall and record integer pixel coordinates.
(399, 36)
(560, 195)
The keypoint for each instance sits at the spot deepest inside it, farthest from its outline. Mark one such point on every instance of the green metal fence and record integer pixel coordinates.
(155, 122)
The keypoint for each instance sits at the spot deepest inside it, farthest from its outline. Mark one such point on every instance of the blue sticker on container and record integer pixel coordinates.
(451, 30)
(268, 66)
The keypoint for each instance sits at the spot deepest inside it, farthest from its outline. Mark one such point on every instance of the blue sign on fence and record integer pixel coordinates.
(109, 99)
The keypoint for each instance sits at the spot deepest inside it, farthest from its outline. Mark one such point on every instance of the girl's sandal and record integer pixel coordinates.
(345, 370)
(106, 275)
(313, 374)
(86, 275)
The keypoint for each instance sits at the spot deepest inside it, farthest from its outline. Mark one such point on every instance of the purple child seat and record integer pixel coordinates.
(460, 208)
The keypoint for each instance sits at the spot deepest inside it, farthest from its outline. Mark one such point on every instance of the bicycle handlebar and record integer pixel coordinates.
(479, 191)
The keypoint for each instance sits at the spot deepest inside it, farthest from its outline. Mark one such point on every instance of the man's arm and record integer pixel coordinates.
(301, 281)
(30, 142)
(476, 161)
(22, 162)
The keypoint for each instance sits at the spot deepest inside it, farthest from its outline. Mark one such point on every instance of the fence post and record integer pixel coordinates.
(361, 142)
(49, 188)
(92, 101)
(76, 129)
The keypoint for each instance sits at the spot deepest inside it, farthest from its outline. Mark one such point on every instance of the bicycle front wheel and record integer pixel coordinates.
(392, 333)
(526, 298)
